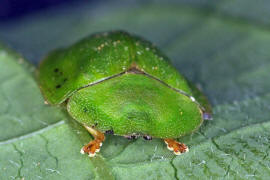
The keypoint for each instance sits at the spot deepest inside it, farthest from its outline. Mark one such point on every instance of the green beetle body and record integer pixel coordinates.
(121, 83)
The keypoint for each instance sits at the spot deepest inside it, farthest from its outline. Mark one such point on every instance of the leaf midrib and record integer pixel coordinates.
(33, 133)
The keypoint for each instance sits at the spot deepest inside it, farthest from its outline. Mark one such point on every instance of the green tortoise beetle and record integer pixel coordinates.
(120, 84)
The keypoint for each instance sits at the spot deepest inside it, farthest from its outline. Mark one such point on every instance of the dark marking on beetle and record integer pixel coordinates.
(85, 109)
(109, 131)
(134, 69)
(148, 138)
(95, 125)
(58, 86)
(56, 70)
(65, 80)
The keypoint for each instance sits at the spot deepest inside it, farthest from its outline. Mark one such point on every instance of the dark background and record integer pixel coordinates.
(12, 9)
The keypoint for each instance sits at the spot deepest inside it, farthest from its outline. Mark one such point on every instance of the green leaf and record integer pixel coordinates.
(223, 47)
(36, 140)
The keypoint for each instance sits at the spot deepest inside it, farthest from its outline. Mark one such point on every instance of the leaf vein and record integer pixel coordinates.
(21, 162)
(48, 151)
(31, 134)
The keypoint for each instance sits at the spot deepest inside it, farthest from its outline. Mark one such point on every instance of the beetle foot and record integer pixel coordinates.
(91, 148)
(177, 147)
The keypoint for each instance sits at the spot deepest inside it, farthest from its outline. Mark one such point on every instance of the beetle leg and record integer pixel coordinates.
(147, 138)
(131, 137)
(93, 146)
(177, 147)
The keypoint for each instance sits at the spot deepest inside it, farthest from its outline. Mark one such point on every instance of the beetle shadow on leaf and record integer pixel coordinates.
(78, 129)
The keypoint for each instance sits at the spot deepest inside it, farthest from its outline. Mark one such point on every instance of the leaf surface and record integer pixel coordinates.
(222, 47)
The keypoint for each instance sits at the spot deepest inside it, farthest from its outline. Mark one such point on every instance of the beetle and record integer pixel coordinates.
(118, 83)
